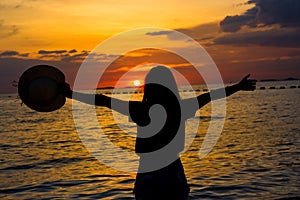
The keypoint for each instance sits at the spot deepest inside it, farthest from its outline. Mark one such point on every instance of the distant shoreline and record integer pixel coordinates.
(273, 80)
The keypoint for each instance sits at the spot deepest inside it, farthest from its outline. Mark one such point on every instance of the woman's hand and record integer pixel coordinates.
(65, 90)
(247, 84)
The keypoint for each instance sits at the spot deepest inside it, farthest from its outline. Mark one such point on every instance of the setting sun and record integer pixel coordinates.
(136, 82)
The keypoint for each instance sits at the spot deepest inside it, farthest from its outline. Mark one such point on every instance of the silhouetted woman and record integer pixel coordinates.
(160, 119)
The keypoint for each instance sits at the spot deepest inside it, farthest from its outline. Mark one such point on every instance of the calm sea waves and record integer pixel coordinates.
(256, 157)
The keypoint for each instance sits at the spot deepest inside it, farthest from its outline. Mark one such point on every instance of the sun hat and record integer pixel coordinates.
(39, 88)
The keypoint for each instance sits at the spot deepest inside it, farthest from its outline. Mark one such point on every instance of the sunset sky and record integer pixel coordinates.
(261, 37)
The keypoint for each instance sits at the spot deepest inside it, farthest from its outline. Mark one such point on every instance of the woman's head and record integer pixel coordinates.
(157, 81)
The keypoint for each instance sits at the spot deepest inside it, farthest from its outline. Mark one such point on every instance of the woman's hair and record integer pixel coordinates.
(158, 80)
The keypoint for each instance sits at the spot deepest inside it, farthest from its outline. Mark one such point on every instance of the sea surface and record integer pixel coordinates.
(256, 157)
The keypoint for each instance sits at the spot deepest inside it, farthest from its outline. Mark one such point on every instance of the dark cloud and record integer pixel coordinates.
(74, 58)
(234, 23)
(24, 54)
(193, 32)
(83, 54)
(288, 37)
(9, 53)
(94, 57)
(112, 56)
(201, 32)
(285, 13)
(156, 33)
(44, 52)
(73, 51)
(269, 23)
(13, 54)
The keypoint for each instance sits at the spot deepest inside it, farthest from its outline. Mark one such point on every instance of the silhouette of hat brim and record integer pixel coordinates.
(38, 88)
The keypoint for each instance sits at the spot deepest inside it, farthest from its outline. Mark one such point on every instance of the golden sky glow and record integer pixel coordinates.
(84, 24)
(241, 36)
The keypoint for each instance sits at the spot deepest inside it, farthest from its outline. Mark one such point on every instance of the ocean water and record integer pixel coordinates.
(256, 157)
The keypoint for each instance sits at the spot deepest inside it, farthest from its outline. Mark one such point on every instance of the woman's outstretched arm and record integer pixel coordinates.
(244, 85)
(99, 100)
